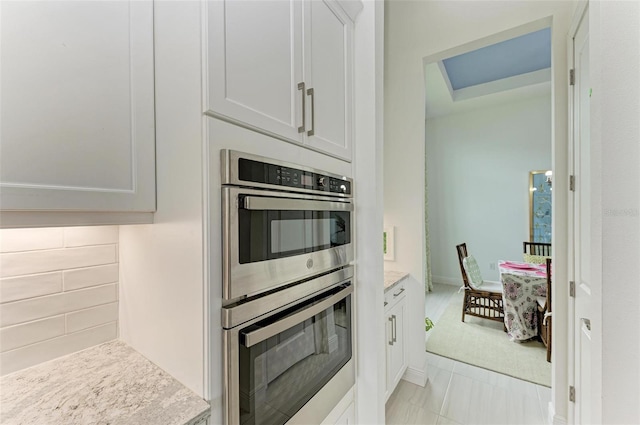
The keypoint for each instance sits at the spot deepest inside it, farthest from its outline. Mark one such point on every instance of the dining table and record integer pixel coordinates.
(522, 285)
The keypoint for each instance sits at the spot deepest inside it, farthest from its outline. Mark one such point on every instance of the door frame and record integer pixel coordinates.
(582, 11)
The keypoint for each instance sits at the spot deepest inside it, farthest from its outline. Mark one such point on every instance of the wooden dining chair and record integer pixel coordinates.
(537, 248)
(545, 318)
(484, 301)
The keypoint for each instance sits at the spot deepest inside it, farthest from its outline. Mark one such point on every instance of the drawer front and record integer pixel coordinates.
(394, 294)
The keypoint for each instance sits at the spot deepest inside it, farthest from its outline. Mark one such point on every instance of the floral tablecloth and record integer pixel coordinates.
(522, 284)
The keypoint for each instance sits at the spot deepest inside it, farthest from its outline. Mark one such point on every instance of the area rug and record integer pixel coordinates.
(483, 343)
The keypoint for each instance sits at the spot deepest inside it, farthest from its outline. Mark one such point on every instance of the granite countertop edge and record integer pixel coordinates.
(109, 383)
(392, 278)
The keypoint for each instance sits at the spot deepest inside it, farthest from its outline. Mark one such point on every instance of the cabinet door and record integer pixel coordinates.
(396, 353)
(77, 106)
(255, 65)
(328, 71)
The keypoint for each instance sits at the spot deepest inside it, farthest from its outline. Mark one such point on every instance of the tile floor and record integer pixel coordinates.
(458, 393)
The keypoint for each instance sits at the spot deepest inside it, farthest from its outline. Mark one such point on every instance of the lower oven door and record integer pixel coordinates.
(276, 365)
(271, 239)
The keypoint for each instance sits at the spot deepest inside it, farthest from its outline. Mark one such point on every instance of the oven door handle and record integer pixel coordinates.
(259, 335)
(263, 203)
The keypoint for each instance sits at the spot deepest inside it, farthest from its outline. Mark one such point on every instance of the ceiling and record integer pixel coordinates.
(501, 72)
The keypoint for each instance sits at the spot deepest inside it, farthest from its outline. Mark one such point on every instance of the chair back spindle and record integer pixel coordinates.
(537, 248)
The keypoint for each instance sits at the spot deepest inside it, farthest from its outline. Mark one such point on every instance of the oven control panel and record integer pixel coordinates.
(280, 175)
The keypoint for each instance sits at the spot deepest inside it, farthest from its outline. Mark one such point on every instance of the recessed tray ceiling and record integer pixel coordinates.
(520, 55)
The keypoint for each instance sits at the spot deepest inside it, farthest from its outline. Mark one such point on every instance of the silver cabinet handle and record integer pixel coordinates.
(259, 335)
(304, 109)
(395, 330)
(391, 337)
(398, 293)
(310, 92)
(264, 203)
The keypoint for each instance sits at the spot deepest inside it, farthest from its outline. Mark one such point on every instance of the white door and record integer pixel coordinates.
(77, 113)
(328, 44)
(582, 225)
(255, 65)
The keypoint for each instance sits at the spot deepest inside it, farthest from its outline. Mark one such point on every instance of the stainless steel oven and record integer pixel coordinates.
(281, 223)
(288, 354)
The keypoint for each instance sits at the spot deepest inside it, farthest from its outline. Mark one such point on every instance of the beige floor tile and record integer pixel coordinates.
(446, 421)
(524, 410)
(487, 404)
(402, 412)
(431, 396)
(470, 371)
(456, 401)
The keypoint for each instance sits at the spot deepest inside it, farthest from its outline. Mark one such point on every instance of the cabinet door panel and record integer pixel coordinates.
(77, 106)
(396, 352)
(328, 47)
(255, 64)
(398, 357)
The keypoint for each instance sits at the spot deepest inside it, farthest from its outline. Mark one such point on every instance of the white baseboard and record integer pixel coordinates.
(415, 376)
(447, 280)
(554, 419)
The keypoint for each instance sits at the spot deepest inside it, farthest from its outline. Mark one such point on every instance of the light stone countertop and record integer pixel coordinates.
(107, 384)
(391, 278)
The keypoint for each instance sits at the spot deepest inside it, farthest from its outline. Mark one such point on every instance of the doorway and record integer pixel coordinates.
(488, 126)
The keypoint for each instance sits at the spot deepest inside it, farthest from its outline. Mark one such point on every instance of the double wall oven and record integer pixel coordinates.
(287, 290)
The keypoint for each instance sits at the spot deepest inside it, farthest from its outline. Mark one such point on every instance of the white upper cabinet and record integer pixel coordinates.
(283, 68)
(328, 46)
(255, 64)
(77, 106)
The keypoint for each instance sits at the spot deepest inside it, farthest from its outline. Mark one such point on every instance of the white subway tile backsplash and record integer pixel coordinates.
(16, 240)
(91, 317)
(30, 355)
(14, 264)
(91, 235)
(29, 286)
(58, 292)
(90, 276)
(52, 305)
(28, 333)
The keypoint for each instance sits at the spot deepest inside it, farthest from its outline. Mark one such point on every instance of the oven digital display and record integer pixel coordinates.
(307, 180)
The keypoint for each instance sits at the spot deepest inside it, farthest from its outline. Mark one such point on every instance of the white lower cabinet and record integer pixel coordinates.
(395, 313)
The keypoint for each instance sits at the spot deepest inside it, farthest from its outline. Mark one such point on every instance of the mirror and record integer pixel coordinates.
(540, 206)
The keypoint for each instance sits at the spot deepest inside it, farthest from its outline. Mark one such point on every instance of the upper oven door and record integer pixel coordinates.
(273, 238)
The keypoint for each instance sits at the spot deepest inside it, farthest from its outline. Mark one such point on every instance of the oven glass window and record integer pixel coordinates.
(281, 373)
(271, 234)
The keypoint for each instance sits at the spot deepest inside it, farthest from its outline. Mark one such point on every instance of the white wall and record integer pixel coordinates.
(162, 301)
(478, 165)
(615, 136)
(415, 30)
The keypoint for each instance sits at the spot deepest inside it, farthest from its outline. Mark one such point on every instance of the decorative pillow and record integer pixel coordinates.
(535, 259)
(473, 272)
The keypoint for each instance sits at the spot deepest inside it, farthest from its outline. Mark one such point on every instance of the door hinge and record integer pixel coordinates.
(572, 77)
(572, 183)
(572, 394)
(572, 288)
